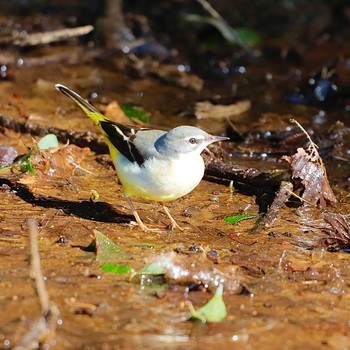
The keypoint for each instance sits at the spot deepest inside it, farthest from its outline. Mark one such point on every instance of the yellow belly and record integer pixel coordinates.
(159, 180)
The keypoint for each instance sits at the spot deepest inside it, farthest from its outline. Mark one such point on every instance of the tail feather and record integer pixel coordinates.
(117, 136)
(89, 110)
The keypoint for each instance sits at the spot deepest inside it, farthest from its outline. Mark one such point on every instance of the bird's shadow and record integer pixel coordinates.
(96, 211)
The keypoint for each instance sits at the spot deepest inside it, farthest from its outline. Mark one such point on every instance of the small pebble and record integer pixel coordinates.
(62, 240)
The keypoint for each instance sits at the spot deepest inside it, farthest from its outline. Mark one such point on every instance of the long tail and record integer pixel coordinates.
(89, 110)
(117, 136)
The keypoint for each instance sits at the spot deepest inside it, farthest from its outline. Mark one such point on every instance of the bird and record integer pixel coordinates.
(157, 165)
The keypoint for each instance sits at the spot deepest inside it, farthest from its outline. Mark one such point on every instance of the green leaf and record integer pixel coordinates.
(152, 269)
(135, 113)
(248, 36)
(107, 251)
(213, 311)
(234, 219)
(117, 269)
(48, 141)
(26, 163)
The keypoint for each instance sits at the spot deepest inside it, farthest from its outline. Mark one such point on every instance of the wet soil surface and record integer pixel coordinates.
(286, 287)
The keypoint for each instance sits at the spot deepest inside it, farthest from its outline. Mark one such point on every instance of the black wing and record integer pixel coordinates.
(121, 137)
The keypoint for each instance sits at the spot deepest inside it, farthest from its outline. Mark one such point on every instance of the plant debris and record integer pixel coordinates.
(169, 73)
(34, 39)
(152, 269)
(44, 329)
(7, 155)
(308, 166)
(281, 198)
(48, 141)
(107, 251)
(59, 162)
(209, 110)
(197, 268)
(114, 111)
(234, 219)
(213, 311)
(340, 225)
(117, 269)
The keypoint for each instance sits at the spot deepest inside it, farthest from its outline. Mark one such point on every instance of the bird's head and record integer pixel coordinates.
(184, 140)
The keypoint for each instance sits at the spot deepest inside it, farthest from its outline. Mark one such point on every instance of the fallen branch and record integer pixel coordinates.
(44, 328)
(81, 139)
(281, 198)
(46, 37)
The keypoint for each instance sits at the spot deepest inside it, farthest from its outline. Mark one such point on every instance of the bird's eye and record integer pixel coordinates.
(192, 140)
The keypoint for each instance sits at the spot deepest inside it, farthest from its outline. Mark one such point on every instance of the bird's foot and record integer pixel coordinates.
(174, 225)
(145, 228)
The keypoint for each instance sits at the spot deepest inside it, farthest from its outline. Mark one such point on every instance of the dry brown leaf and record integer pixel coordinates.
(60, 162)
(308, 166)
(114, 112)
(340, 226)
(208, 110)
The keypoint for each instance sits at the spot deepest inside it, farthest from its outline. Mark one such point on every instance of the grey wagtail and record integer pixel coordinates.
(152, 164)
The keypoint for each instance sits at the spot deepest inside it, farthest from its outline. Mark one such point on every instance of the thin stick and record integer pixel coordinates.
(44, 328)
(312, 144)
(35, 267)
(47, 37)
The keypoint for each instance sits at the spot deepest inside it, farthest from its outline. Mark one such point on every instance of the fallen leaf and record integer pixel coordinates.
(117, 269)
(208, 110)
(234, 219)
(48, 141)
(308, 166)
(152, 269)
(114, 112)
(107, 251)
(213, 311)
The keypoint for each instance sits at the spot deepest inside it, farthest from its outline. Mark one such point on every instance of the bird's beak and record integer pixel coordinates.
(218, 138)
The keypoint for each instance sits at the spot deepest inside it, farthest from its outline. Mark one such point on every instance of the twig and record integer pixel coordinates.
(46, 37)
(81, 139)
(44, 328)
(280, 260)
(312, 144)
(35, 267)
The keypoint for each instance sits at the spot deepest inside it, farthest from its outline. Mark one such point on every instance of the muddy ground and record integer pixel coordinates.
(285, 287)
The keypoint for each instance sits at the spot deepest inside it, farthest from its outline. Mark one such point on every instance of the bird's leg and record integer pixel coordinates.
(174, 224)
(139, 222)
